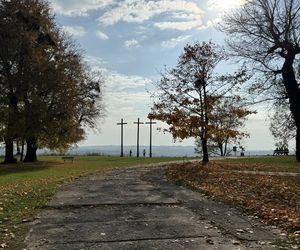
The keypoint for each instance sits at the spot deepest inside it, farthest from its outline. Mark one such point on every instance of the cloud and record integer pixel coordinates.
(210, 23)
(125, 92)
(96, 63)
(117, 82)
(138, 11)
(177, 25)
(141, 31)
(131, 43)
(172, 43)
(102, 35)
(76, 31)
(78, 7)
(122, 92)
(225, 5)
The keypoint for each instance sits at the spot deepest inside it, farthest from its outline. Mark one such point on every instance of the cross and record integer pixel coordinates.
(122, 126)
(150, 123)
(138, 137)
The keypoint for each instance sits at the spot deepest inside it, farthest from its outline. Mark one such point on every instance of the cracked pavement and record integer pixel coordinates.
(137, 208)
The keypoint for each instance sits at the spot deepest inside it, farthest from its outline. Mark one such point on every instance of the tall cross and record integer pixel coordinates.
(138, 137)
(150, 123)
(122, 132)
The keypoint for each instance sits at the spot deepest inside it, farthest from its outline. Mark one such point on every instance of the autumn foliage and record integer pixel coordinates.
(47, 93)
(196, 102)
(276, 199)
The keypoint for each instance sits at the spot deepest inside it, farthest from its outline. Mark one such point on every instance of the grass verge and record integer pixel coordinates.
(267, 163)
(275, 199)
(26, 187)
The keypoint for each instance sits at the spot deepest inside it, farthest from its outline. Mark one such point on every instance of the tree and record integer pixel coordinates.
(12, 62)
(55, 119)
(49, 93)
(228, 117)
(267, 34)
(282, 124)
(189, 93)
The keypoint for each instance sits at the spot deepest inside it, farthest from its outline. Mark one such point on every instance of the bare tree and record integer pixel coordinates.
(267, 34)
(282, 124)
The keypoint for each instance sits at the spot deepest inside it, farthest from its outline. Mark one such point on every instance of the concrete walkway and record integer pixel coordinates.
(137, 208)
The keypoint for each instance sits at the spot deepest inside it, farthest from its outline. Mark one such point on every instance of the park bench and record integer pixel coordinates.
(281, 152)
(68, 158)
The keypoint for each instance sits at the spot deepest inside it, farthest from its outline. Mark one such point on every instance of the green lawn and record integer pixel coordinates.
(264, 163)
(25, 188)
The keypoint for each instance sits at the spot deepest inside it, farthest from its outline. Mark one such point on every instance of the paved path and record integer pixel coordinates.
(137, 208)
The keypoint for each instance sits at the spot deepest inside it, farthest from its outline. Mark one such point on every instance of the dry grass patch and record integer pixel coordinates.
(276, 199)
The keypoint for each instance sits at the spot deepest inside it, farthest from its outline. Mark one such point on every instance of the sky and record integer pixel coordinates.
(130, 42)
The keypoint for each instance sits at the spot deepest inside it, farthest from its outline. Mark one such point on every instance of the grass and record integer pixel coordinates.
(26, 187)
(266, 163)
(275, 199)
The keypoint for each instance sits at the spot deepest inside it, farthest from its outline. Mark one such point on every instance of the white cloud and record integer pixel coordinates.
(178, 25)
(224, 5)
(131, 43)
(186, 16)
(78, 7)
(138, 11)
(172, 43)
(141, 31)
(102, 35)
(76, 31)
(117, 82)
(210, 23)
(96, 63)
(128, 104)
(125, 92)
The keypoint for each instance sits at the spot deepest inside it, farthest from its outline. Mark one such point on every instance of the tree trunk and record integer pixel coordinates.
(22, 151)
(18, 148)
(221, 149)
(205, 159)
(225, 146)
(9, 152)
(31, 150)
(298, 144)
(292, 88)
(10, 130)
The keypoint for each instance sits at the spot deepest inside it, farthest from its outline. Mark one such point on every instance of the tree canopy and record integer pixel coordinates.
(49, 95)
(266, 33)
(192, 97)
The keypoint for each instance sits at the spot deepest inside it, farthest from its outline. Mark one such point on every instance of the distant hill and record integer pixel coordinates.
(170, 151)
(156, 150)
(180, 151)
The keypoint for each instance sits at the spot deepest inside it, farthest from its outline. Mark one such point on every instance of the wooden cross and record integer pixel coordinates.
(122, 132)
(138, 137)
(150, 123)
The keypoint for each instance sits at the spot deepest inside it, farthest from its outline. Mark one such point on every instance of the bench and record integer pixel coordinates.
(281, 152)
(68, 158)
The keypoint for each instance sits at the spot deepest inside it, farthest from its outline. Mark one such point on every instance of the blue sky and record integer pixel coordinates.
(130, 41)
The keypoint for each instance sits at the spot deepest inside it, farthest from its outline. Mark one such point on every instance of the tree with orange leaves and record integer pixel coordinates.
(189, 95)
